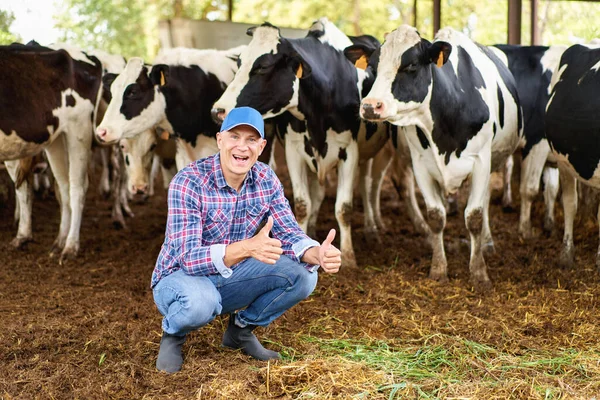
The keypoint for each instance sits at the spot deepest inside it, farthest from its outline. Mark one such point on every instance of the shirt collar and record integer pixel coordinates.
(251, 176)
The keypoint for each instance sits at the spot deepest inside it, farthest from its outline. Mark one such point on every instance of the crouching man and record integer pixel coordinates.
(216, 258)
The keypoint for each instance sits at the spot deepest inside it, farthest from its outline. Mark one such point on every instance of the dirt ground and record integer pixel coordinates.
(89, 329)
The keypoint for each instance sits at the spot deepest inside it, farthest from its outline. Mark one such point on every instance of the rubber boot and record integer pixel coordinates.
(243, 338)
(170, 358)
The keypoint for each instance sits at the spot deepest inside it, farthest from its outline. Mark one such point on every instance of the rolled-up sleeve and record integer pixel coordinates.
(184, 230)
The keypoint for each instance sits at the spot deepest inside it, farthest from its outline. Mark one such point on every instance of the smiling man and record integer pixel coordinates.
(217, 259)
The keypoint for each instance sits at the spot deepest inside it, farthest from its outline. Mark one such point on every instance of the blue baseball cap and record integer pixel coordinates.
(244, 116)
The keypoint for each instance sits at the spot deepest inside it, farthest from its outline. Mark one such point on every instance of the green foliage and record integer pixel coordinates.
(6, 20)
(130, 27)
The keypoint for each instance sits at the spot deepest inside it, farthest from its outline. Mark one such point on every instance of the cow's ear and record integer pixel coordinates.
(300, 67)
(159, 74)
(107, 80)
(439, 53)
(250, 31)
(358, 55)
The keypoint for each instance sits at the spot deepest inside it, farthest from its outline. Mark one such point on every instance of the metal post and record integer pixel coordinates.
(514, 21)
(535, 29)
(437, 15)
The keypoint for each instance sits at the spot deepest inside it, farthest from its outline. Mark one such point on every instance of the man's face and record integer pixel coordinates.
(239, 149)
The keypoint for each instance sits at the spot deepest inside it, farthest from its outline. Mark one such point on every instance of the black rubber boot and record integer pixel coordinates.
(243, 338)
(170, 358)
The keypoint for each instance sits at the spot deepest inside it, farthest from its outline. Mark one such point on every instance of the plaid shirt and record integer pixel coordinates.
(205, 215)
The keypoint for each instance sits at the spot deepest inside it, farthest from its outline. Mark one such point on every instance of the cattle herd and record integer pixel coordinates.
(437, 113)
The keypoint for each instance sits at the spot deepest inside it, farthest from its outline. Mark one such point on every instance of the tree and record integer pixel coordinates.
(6, 20)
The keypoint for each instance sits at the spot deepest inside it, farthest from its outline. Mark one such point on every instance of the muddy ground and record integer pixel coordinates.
(89, 329)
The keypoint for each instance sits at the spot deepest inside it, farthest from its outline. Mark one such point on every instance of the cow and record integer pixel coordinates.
(49, 102)
(573, 131)
(459, 106)
(140, 155)
(311, 79)
(532, 68)
(176, 94)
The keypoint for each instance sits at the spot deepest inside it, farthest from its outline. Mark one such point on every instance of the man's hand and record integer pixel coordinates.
(262, 247)
(330, 258)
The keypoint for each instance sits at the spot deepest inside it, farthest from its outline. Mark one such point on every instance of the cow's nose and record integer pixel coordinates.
(101, 133)
(372, 108)
(218, 115)
(142, 189)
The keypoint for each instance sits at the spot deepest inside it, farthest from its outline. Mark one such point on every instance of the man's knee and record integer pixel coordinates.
(306, 283)
(202, 308)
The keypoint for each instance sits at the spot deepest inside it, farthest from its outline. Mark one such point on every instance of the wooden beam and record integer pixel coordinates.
(514, 21)
(415, 14)
(230, 10)
(535, 28)
(437, 15)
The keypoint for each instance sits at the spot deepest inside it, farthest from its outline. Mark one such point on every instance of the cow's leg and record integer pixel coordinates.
(153, 174)
(365, 185)
(343, 204)
(507, 198)
(317, 194)
(487, 239)
(474, 219)
(569, 200)
(436, 219)
(117, 188)
(104, 188)
(298, 176)
(79, 145)
(23, 206)
(57, 158)
(551, 185)
(381, 163)
(531, 172)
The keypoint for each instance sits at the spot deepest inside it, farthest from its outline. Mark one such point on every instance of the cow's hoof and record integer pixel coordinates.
(481, 284)
(68, 254)
(567, 258)
(348, 260)
(548, 225)
(439, 276)
(56, 249)
(381, 226)
(528, 232)
(119, 223)
(372, 236)
(20, 242)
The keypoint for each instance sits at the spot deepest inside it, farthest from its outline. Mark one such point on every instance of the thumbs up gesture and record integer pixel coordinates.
(262, 247)
(330, 258)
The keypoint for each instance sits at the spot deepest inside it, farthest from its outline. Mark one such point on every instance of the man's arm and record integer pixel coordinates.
(261, 247)
(326, 255)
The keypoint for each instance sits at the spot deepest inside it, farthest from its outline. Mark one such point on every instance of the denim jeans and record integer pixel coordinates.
(189, 302)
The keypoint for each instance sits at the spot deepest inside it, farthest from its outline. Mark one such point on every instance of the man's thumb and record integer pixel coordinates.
(329, 238)
(267, 228)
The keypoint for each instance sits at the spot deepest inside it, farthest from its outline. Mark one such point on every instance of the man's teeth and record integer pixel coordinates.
(240, 158)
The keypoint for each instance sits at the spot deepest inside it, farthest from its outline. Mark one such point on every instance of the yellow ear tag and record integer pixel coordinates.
(164, 135)
(361, 62)
(299, 72)
(440, 60)
(162, 78)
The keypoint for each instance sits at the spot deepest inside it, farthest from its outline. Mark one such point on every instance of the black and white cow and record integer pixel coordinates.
(532, 68)
(573, 130)
(460, 109)
(49, 100)
(311, 78)
(176, 94)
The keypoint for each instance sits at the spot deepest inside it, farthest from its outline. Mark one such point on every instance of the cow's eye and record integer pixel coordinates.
(410, 68)
(131, 92)
(153, 146)
(261, 69)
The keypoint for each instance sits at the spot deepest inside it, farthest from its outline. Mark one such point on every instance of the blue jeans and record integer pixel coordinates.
(267, 291)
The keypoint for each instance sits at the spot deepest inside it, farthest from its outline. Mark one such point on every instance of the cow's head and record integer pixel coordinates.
(267, 78)
(138, 153)
(137, 103)
(404, 68)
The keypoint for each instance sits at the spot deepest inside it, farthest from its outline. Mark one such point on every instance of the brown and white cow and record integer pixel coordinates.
(49, 101)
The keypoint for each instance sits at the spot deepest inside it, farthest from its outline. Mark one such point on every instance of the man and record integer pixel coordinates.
(215, 260)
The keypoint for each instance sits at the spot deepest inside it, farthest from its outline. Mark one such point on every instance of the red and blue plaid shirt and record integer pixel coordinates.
(205, 215)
